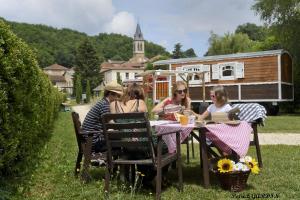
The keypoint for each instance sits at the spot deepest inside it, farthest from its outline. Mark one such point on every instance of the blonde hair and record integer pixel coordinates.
(221, 94)
(133, 91)
(184, 101)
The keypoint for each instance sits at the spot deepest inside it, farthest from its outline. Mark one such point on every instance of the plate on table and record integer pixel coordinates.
(229, 122)
(232, 122)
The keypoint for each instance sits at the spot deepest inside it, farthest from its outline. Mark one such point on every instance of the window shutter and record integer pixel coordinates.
(206, 68)
(239, 70)
(215, 72)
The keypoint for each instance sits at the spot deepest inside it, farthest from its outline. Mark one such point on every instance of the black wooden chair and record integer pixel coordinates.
(84, 142)
(119, 136)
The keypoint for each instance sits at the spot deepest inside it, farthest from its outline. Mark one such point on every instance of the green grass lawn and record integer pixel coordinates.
(281, 124)
(52, 177)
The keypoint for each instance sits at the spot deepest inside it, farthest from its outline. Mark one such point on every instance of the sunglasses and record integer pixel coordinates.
(180, 91)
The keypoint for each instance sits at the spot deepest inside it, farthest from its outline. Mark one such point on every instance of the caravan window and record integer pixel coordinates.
(194, 78)
(227, 71)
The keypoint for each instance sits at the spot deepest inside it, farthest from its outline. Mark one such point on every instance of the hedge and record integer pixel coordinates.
(28, 102)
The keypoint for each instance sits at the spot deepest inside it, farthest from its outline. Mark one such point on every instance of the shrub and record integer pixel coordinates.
(28, 102)
(78, 89)
(88, 91)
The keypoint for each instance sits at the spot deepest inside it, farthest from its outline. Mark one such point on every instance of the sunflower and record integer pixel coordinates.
(253, 165)
(225, 165)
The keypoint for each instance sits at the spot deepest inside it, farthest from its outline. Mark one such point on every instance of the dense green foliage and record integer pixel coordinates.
(28, 102)
(190, 53)
(229, 43)
(247, 38)
(78, 88)
(87, 64)
(254, 32)
(59, 45)
(179, 53)
(88, 91)
(284, 19)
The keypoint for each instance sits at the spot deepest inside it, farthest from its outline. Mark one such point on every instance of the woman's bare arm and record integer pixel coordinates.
(159, 108)
(142, 106)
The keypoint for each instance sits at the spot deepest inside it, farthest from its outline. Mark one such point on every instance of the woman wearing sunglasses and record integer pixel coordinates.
(179, 100)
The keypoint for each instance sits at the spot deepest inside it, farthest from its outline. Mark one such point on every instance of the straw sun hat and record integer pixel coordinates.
(114, 87)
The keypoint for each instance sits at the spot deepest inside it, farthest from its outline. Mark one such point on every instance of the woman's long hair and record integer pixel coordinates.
(133, 91)
(184, 101)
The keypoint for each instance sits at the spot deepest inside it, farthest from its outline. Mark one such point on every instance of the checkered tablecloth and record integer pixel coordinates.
(226, 137)
(170, 139)
(230, 137)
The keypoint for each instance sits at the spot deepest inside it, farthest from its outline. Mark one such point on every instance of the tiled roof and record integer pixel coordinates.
(120, 66)
(56, 67)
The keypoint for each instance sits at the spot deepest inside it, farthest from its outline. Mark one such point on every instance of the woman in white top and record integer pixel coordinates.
(219, 98)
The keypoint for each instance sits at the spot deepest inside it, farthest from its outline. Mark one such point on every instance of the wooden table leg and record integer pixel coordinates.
(203, 155)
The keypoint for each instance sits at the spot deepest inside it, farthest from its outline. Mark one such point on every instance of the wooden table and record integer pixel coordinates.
(201, 138)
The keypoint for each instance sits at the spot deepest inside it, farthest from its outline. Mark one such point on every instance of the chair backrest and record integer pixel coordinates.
(128, 130)
(77, 128)
(251, 112)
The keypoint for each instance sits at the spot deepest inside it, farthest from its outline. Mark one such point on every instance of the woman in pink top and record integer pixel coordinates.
(180, 97)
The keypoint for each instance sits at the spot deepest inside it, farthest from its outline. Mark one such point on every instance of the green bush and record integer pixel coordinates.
(28, 102)
(78, 89)
(88, 91)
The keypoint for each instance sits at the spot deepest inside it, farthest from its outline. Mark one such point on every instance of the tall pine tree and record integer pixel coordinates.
(88, 64)
(177, 52)
(88, 91)
(78, 89)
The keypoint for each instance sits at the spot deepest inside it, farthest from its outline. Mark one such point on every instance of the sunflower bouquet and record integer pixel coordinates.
(245, 164)
(234, 175)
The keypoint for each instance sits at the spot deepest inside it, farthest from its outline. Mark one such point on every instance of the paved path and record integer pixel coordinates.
(81, 110)
(264, 138)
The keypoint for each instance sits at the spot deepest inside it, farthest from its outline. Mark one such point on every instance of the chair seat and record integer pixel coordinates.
(166, 158)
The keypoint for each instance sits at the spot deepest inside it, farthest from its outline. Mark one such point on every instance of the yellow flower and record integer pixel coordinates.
(225, 165)
(253, 165)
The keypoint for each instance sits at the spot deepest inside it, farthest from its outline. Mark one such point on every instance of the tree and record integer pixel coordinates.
(254, 32)
(88, 64)
(190, 53)
(284, 17)
(88, 91)
(117, 58)
(229, 43)
(78, 88)
(177, 52)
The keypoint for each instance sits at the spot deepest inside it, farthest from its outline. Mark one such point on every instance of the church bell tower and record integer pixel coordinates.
(138, 43)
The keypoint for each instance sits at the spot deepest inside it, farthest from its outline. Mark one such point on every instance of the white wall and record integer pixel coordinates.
(112, 74)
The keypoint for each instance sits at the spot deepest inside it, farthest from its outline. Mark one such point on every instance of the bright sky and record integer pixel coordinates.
(165, 22)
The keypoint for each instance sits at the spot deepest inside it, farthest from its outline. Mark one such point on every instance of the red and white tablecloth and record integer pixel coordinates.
(170, 139)
(227, 137)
